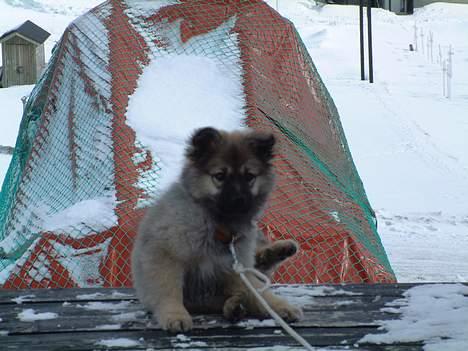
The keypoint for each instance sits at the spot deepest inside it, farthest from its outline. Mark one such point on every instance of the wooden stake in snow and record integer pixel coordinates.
(449, 72)
(444, 73)
(439, 60)
(422, 40)
(415, 39)
(430, 43)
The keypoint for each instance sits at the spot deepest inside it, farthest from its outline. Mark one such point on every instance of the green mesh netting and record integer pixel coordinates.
(80, 177)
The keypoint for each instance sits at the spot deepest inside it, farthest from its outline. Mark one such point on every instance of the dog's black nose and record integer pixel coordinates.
(239, 202)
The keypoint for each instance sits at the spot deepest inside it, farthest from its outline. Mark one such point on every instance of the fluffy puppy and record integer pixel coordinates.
(181, 258)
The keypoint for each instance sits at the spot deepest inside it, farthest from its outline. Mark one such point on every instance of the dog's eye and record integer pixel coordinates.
(249, 177)
(220, 176)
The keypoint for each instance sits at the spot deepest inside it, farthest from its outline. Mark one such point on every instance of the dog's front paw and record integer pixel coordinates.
(233, 309)
(288, 312)
(175, 321)
(285, 249)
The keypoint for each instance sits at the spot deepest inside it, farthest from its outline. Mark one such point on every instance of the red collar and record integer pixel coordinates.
(223, 235)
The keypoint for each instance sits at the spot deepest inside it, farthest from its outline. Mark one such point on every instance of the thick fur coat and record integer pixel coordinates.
(181, 259)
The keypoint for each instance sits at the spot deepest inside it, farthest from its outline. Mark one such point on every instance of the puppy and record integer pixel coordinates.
(181, 258)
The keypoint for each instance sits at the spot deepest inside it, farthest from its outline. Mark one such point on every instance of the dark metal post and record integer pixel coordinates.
(410, 7)
(390, 5)
(361, 36)
(369, 40)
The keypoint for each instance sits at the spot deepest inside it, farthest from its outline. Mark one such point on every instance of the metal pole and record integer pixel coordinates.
(361, 36)
(369, 40)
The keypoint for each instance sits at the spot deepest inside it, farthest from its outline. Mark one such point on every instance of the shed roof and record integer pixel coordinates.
(30, 31)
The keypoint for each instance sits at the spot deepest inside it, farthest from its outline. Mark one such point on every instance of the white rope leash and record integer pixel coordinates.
(241, 270)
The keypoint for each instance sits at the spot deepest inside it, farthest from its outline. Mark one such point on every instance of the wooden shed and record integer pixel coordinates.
(23, 54)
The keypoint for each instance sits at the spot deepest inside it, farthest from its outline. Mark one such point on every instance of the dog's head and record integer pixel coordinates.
(230, 174)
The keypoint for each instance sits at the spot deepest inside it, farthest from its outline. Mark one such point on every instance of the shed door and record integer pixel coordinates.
(22, 63)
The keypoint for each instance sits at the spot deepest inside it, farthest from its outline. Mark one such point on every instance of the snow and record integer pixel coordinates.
(198, 90)
(127, 316)
(89, 296)
(150, 6)
(29, 315)
(11, 103)
(185, 345)
(426, 247)
(20, 299)
(118, 342)
(119, 294)
(408, 142)
(40, 268)
(183, 341)
(65, 7)
(254, 323)
(51, 15)
(292, 348)
(108, 326)
(10, 100)
(182, 337)
(5, 273)
(436, 314)
(97, 213)
(302, 296)
(105, 306)
(88, 260)
(4, 163)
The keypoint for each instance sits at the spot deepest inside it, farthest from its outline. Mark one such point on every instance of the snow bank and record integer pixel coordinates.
(436, 314)
(177, 94)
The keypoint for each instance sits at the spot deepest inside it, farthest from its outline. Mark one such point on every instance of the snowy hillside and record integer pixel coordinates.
(408, 141)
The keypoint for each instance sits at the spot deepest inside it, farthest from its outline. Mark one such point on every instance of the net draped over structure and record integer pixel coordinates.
(80, 178)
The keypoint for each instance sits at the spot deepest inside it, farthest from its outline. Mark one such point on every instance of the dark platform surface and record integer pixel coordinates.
(336, 318)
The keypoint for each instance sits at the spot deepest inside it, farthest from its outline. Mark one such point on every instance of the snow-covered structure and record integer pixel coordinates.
(104, 128)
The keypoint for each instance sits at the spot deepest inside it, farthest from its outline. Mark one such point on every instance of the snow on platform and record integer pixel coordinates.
(408, 141)
(337, 317)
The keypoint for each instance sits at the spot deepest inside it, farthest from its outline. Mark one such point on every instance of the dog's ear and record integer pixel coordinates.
(203, 142)
(262, 145)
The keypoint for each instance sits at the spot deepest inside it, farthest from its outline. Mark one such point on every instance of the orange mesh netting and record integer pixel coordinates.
(75, 151)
